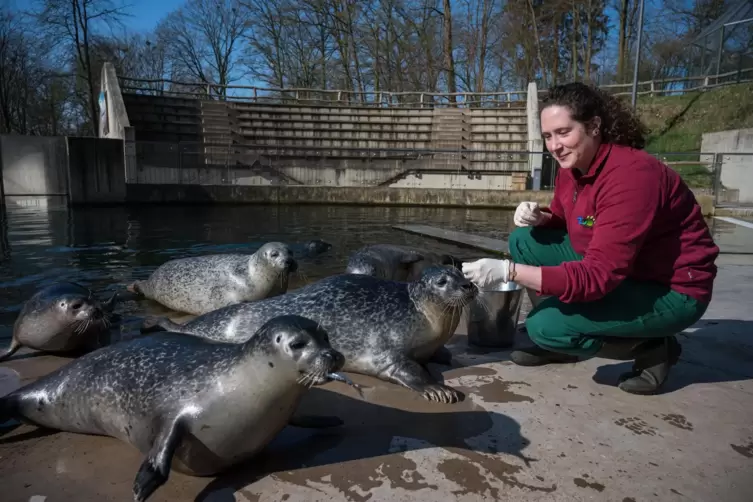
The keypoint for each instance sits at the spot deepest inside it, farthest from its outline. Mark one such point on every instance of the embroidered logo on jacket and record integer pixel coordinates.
(587, 221)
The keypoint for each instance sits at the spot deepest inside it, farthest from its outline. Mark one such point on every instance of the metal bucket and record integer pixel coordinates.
(492, 317)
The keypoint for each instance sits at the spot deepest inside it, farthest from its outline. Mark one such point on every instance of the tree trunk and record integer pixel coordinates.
(449, 61)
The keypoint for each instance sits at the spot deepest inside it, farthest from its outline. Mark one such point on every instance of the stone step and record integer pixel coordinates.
(449, 128)
(216, 122)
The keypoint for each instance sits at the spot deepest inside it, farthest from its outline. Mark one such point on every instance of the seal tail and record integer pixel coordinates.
(135, 287)
(12, 348)
(152, 324)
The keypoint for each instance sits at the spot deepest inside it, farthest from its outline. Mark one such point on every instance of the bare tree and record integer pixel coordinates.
(202, 40)
(75, 22)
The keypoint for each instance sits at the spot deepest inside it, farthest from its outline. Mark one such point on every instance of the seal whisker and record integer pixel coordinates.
(303, 276)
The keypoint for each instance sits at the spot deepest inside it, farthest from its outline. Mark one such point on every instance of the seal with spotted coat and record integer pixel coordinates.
(186, 403)
(386, 329)
(61, 318)
(396, 263)
(200, 284)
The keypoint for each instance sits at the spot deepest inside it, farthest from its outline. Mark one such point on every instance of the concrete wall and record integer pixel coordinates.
(34, 169)
(169, 163)
(533, 129)
(737, 170)
(37, 170)
(113, 118)
(186, 194)
(96, 171)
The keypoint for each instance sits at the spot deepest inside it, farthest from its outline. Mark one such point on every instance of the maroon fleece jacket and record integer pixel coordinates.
(630, 216)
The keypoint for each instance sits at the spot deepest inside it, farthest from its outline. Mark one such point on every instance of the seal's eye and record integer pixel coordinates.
(298, 345)
(274, 254)
(442, 281)
(77, 305)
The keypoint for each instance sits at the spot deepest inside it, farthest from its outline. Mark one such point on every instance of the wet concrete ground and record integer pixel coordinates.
(552, 433)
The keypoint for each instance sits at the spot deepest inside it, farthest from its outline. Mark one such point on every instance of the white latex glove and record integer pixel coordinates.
(528, 214)
(487, 272)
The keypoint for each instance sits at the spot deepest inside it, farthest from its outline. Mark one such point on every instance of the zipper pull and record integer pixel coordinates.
(575, 195)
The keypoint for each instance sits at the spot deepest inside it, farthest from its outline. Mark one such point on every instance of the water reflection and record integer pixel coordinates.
(107, 248)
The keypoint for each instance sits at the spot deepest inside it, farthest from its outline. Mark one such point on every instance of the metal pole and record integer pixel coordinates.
(637, 54)
(719, 50)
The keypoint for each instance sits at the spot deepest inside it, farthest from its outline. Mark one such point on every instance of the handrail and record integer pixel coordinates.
(386, 97)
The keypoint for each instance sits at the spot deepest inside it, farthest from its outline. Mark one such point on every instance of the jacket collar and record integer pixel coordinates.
(598, 162)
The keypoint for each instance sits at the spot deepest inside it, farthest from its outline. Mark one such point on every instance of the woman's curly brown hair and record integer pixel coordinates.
(619, 125)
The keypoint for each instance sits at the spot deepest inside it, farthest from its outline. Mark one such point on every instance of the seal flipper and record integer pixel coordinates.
(135, 287)
(151, 324)
(109, 305)
(12, 348)
(410, 258)
(315, 421)
(410, 374)
(155, 469)
(9, 410)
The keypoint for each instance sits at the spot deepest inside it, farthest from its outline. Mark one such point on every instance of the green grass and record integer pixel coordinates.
(677, 123)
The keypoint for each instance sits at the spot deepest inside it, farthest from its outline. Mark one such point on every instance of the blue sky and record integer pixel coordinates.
(145, 14)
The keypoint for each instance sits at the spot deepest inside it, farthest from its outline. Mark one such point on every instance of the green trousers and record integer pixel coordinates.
(634, 309)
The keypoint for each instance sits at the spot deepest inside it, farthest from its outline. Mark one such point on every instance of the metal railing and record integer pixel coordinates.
(421, 99)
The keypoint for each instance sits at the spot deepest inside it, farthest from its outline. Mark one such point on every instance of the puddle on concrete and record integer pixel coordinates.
(582, 483)
(488, 385)
(498, 391)
(468, 476)
(355, 480)
(746, 451)
(468, 371)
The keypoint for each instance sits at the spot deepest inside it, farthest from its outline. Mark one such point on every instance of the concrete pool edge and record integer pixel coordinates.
(295, 194)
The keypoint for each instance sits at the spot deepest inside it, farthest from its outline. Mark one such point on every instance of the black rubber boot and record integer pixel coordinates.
(536, 356)
(653, 359)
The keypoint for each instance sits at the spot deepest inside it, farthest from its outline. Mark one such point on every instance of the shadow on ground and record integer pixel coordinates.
(716, 350)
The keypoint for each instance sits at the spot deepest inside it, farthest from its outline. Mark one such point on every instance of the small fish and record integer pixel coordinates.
(342, 378)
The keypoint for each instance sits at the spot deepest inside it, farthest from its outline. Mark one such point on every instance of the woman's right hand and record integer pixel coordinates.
(528, 214)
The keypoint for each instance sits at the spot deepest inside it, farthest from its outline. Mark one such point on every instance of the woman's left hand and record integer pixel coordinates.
(487, 272)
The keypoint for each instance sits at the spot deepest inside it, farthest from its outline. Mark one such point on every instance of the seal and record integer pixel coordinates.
(386, 329)
(61, 318)
(315, 247)
(397, 263)
(200, 284)
(186, 403)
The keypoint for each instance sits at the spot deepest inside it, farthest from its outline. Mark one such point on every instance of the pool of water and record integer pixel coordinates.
(105, 249)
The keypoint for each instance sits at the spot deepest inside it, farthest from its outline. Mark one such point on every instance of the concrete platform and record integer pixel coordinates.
(560, 433)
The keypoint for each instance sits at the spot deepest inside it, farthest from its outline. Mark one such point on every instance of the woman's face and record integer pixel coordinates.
(571, 143)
